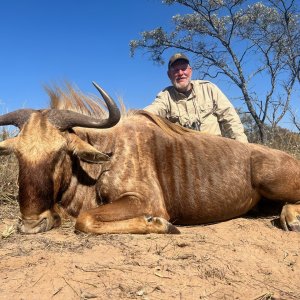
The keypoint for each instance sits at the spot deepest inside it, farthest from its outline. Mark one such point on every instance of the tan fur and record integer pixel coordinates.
(35, 145)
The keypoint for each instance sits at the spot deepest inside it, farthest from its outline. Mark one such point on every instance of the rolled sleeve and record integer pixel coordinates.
(158, 106)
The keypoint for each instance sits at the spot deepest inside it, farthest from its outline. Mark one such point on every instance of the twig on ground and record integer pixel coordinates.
(38, 280)
(91, 284)
(55, 293)
(70, 286)
(266, 296)
(162, 276)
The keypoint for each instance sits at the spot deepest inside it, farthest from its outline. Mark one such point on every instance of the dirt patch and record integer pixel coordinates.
(244, 258)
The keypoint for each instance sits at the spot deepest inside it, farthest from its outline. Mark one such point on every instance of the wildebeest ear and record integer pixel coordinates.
(85, 151)
(7, 146)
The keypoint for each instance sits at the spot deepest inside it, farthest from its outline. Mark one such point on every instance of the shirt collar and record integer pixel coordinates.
(180, 96)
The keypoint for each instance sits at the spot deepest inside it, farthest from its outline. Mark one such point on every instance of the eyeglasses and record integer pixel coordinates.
(178, 68)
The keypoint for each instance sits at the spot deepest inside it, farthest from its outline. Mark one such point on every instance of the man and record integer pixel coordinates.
(196, 104)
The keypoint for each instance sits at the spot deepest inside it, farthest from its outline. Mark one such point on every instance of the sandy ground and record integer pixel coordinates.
(244, 258)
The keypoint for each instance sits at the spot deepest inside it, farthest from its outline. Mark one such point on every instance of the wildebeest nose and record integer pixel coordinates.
(44, 222)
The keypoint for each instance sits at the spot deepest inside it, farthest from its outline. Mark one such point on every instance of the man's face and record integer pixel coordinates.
(180, 74)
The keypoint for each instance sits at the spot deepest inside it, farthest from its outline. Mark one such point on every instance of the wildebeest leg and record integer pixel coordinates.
(276, 176)
(122, 216)
(290, 217)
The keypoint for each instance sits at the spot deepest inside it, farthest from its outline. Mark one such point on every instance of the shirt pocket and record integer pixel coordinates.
(207, 109)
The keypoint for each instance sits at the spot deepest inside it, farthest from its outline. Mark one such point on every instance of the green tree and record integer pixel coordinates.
(242, 41)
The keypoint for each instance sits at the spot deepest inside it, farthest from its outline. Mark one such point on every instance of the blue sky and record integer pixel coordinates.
(44, 42)
(49, 41)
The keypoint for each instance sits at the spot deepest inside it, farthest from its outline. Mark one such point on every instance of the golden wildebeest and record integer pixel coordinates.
(142, 175)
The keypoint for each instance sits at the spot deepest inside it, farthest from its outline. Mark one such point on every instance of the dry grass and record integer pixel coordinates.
(9, 170)
(8, 231)
(281, 139)
(8, 179)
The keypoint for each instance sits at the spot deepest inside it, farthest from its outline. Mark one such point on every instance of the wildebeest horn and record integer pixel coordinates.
(17, 118)
(65, 119)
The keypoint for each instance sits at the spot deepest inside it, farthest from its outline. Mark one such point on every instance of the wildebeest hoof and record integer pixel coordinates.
(290, 217)
(160, 225)
(173, 229)
(295, 226)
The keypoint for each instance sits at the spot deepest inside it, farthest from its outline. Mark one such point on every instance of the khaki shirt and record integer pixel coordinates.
(204, 109)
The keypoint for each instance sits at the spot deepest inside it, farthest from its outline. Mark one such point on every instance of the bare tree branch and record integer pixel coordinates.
(240, 40)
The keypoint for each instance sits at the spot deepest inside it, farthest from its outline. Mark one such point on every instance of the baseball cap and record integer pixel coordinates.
(176, 57)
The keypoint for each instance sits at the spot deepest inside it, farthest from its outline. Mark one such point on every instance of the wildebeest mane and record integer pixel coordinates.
(167, 126)
(71, 98)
